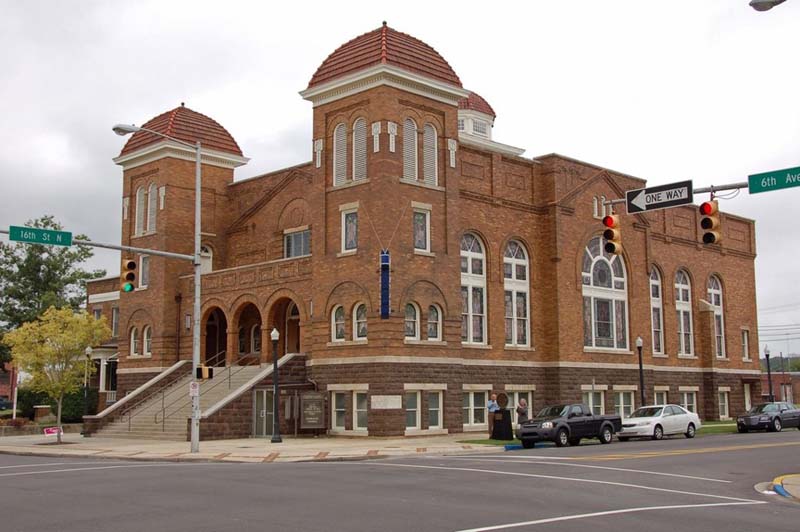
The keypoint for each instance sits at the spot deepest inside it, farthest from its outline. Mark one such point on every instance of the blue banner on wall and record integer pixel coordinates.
(385, 269)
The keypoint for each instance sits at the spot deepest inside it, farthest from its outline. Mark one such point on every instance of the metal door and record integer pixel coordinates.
(262, 413)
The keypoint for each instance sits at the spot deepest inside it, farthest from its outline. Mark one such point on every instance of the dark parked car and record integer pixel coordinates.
(769, 416)
(566, 425)
(5, 404)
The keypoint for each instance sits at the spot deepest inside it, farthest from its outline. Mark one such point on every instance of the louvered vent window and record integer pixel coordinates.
(409, 150)
(360, 149)
(340, 155)
(139, 215)
(152, 203)
(430, 166)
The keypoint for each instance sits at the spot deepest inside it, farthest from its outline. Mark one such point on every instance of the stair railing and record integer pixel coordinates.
(130, 409)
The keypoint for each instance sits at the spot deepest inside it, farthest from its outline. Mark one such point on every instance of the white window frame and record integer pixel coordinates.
(685, 396)
(356, 410)
(152, 207)
(439, 410)
(340, 154)
(356, 321)
(410, 150)
(657, 303)
(746, 345)
(470, 281)
(334, 337)
(748, 396)
(291, 235)
(619, 402)
(430, 152)
(345, 214)
(471, 407)
(416, 321)
(417, 411)
(359, 149)
(427, 214)
(335, 410)
(97, 313)
(724, 413)
(147, 341)
(611, 294)
(114, 322)
(461, 124)
(660, 397)
(597, 406)
(144, 271)
(255, 335)
(437, 322)
(714, 294)
(133, 347)
(480, 127)
(515, 286)
(683, 307)
(139, 215)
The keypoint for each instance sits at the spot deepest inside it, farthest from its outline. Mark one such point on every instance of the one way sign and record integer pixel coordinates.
(660, 197)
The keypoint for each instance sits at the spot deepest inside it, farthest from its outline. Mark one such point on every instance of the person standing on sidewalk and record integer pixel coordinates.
(493, 407)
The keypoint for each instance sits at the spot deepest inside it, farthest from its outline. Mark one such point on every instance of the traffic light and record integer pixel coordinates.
(709, 210)
(128, 276)
(204, 372)
(612, 234)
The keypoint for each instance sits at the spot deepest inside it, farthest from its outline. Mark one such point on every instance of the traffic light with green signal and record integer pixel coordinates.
(612, 234)
(128, 275)
(709, 222)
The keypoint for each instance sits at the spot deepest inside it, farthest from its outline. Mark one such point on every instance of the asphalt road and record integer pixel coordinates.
(702, 484)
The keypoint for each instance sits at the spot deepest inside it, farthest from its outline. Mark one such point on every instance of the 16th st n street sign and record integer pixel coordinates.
(32, 235)
(660, 197)
(775, 180)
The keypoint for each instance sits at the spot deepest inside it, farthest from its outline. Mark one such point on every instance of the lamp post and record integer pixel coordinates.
(88, 353)
(276, 425)
(125, 129)
(769, 374)
(639, 344)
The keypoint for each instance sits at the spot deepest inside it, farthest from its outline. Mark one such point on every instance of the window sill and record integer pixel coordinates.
(607, 350)
(140, 288)
(432, 343)
(347, 253)
(135, 357)
(476, 428)
(284, 259)
(748, 360)
(427, 432)
(687, 357)
(466, 345)
(349, 184)
(346, 343)
(660, 355)
(422, 184)
(344, 432)
(142, 235)
(424, 253)
(724, 359)
(519, 348)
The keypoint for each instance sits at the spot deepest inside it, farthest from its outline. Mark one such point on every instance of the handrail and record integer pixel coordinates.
(187, 402)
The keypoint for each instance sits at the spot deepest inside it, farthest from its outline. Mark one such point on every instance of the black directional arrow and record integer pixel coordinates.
(660, 197)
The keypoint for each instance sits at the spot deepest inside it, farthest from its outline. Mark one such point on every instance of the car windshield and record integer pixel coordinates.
(766, 407)
(554, 411)
(650, 411)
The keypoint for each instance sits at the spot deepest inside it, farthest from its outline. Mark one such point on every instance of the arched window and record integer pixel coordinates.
(148, 340)
(152, 207)
(337, 324)
(359, 149)
(340, 155)
(515, 283)
(656, 312)
(134, 347)
(412, 321)
(605, 298)
(140, 214)
(409, 150)
(255, 338)
(243, 340)
(206, 259)
(715, 298)
(434, 323)
(683, 306)
(360, 322)
(430, 165)
(473, 290)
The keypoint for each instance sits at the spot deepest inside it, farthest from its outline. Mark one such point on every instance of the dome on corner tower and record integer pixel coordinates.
(189, 126)
(385, 46)
(474, 102)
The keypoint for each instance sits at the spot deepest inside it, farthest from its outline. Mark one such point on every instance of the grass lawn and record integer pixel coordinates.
(717, 427)
(7, 413)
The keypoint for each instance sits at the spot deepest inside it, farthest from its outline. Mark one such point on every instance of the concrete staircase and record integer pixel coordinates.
(164, 415)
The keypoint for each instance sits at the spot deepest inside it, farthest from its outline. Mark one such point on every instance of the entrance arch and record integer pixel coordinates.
(248, 345)
(285, 315)
(216, 331)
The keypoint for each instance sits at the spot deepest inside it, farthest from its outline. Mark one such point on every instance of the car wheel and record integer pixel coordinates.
(776, 425)
(574, 442)
(562, 438)
(623, 438)
(690, 431)
(528, 444)
(658, 433)
(605, 435)
(741, 430)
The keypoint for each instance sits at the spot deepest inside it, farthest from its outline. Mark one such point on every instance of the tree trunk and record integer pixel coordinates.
(58, 418)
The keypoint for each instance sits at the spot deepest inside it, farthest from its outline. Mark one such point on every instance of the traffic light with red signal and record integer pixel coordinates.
(709, 222)
(128, 276)
(612, 234)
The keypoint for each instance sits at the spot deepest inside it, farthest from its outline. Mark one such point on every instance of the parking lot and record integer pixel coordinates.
(702, 484)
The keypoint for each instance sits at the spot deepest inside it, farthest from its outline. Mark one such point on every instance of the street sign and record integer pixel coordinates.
(194, 389)
(33, 235)
(775, 180)
(660, 197)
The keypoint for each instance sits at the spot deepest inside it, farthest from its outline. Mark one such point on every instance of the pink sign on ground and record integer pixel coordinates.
(53, 431)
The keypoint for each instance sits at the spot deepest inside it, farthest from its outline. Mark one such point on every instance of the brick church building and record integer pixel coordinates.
(498, 279)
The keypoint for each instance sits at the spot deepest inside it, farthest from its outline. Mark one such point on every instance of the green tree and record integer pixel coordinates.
(51, 350)
(34, 277)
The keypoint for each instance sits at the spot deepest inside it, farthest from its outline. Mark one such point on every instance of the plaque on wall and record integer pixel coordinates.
(386, 402)
(312, 410)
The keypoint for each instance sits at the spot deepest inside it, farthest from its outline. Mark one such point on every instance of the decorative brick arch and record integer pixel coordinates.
(424, 293)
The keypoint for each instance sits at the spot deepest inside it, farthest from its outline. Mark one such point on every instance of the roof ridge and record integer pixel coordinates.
(171, 122)
(383, 42)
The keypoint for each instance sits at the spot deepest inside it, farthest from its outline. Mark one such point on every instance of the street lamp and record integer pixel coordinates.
(769, 373)
(126, 129)
(639, 344)
(765, 5)
(276, 425)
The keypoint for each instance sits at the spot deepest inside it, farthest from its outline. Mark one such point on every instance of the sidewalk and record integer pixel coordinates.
(787, 485)
(245, 450)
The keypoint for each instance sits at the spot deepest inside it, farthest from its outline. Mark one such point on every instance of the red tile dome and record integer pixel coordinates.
(385, 46)
(475, 102)
(189, 126)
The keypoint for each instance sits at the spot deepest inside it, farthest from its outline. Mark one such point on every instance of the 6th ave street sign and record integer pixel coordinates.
(33, 235)
(775, 180)
(660, 197)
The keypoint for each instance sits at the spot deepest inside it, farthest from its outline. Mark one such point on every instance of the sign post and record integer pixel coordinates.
(775, 180)
(660, 197)
(33, 235)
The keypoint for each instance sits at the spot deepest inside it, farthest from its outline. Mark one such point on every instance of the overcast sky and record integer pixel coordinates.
(664, 90)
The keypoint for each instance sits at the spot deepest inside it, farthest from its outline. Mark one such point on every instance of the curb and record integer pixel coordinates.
(777, 486)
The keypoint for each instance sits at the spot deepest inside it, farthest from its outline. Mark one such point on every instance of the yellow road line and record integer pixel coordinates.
(679, 452)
